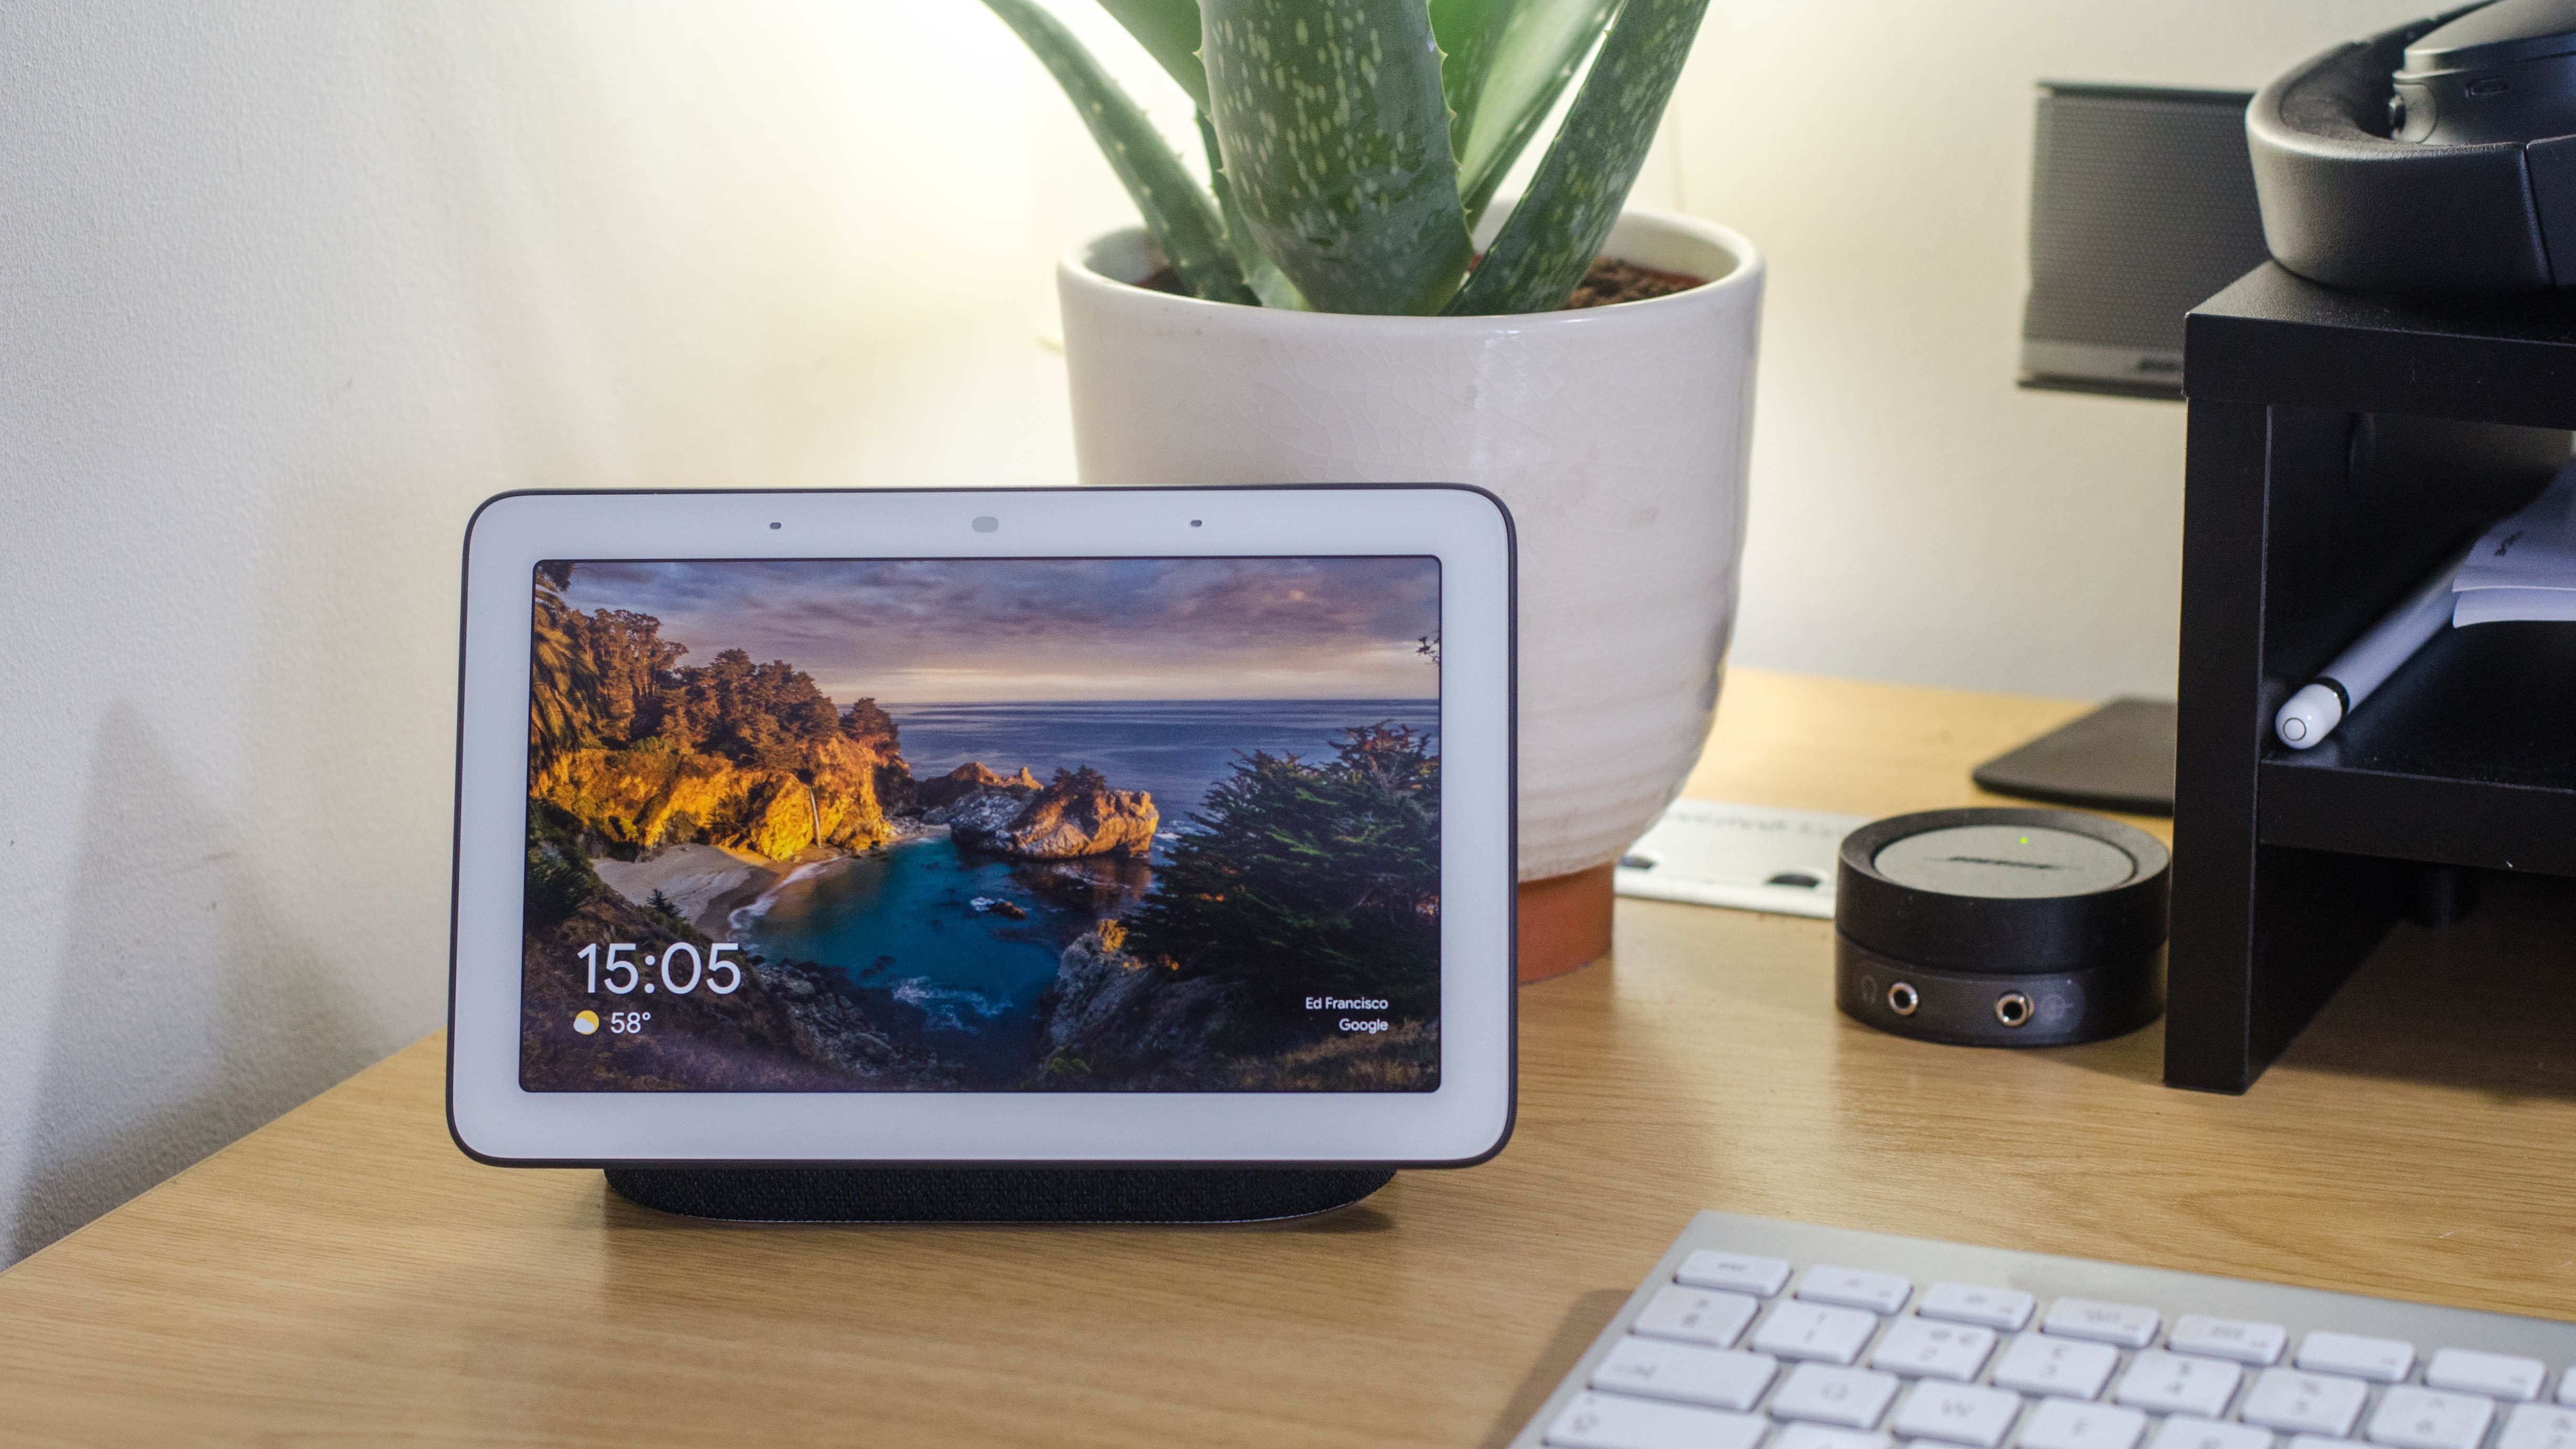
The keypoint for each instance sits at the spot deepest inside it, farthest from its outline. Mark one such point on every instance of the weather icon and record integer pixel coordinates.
(586, 1022)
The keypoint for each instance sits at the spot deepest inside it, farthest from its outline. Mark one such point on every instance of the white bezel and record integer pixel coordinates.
(1465, 1120)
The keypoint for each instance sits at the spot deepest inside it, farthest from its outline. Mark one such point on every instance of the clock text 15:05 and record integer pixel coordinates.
(721, 976)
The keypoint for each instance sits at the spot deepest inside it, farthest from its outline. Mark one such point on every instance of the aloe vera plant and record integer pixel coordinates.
(1353, 145)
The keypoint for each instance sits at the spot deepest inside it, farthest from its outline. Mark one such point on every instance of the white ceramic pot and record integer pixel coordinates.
(1616, 435)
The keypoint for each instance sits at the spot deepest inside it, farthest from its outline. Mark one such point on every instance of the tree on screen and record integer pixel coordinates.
(1301, 879)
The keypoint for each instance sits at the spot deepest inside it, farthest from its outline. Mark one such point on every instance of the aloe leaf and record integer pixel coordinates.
(1553, 235)
(1269, 283)
(1180, 215)
(1169, 31)
(1467, 32)
(1336, 142)
(1505, 63)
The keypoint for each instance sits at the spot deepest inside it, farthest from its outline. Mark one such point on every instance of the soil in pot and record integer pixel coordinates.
(1610, 280)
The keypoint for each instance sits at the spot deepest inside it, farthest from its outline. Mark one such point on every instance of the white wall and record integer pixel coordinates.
(285, 289)
(1914, 515)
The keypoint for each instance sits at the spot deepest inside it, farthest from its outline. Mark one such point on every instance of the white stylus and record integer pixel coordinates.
(2318, 707)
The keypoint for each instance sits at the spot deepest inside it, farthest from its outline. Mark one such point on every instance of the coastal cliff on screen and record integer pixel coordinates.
(983, 825)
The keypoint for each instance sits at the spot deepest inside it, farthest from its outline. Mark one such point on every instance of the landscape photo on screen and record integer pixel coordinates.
(979, 825)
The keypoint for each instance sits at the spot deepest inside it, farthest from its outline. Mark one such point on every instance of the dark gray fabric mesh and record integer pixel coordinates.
(2140, 210)
(994, 1195)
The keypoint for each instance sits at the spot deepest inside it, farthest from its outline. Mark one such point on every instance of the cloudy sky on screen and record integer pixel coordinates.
(974, 630)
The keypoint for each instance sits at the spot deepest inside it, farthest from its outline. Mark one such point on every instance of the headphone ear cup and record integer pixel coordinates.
(2346, 203)
(2504, 70)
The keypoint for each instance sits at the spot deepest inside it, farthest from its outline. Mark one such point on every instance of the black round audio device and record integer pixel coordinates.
(2438, 156)
(2001, 927)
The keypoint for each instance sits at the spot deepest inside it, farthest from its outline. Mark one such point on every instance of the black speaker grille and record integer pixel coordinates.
(2142, 206)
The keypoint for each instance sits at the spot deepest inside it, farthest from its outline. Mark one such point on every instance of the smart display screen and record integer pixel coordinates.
(984, 825)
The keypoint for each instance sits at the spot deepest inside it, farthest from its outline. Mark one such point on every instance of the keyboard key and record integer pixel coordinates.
(1852, 1288)
(1958, 1413)
(2498, 1374)
(2258, 1344)
(2125, 1324)
(2323, 1441)
(2185, 1432)
(1813, 1331)
(2004, 1308)
(2302, 1403)
(2413, 1418)
(1710, 1318)
(1734, 1272)
(1612, 1421)
(2174, 1383)
(1933, 1350)
(2065, 1424)
(2538, 1426)
(2567, 1387)
(2039, 1365)
(1812, 1436)
(2384, 1360)
(1845, 1398)
(1714, 1378)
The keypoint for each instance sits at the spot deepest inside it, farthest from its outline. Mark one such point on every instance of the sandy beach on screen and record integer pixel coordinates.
(703, 882)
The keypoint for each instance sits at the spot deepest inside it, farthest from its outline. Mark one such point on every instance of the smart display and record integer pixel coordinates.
(962, 824)
(1111, 827)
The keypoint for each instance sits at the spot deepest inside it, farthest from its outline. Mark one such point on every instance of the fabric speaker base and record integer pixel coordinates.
(995, 1194)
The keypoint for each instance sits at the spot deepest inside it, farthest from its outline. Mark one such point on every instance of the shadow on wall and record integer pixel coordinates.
(184, 1014)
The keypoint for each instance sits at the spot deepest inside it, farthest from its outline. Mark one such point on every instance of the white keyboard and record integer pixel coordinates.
(1753, 1334)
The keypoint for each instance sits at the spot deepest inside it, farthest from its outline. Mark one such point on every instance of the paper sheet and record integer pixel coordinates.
(1747, 857)
(2525, 566)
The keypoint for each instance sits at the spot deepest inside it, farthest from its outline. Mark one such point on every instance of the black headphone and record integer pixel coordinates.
(2439, 156)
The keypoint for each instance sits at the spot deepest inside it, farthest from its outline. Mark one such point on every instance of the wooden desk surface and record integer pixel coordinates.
(345, 1275)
